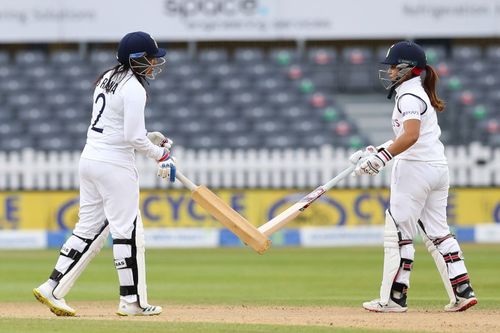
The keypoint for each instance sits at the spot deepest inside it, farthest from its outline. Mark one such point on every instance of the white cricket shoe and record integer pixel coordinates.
(376, 306)
(133, 309)
(43, 294)
(465, 300)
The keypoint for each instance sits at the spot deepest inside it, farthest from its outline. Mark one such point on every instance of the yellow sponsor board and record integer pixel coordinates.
(174, 208)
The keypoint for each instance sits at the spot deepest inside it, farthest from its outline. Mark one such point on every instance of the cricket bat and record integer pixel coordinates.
(293, 211)
(214, 205)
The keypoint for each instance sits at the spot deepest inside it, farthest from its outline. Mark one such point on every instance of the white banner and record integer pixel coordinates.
(487, 233)
(342, 236)
(184, 20)
(181, 237)
(13, 239)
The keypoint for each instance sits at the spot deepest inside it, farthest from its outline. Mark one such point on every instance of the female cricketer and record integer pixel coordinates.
(109, 182)
(419, 184)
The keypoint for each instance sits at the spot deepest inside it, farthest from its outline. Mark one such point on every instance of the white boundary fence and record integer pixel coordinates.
(473, 165)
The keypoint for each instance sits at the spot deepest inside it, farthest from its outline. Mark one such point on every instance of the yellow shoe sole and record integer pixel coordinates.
(54, 309)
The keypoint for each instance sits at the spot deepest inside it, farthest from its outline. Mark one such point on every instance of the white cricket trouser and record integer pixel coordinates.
(419, 191)
(107, 192)
(109, 195)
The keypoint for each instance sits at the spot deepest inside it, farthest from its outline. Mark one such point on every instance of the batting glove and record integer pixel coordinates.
(159, 139)
(374, 162)
(166, 169)
(358, 156)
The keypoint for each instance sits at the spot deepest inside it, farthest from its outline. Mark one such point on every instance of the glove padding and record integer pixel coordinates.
(358, 156)
(166, 169)
(374, 161)
(159, 139)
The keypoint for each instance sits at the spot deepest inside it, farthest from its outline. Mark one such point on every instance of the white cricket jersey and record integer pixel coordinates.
(117, 127)
(412, 102)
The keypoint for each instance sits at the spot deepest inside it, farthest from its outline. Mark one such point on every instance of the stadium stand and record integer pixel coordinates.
(247, 97)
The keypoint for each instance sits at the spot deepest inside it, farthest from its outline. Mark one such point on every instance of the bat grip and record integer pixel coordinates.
(339, 177)
(185, 180)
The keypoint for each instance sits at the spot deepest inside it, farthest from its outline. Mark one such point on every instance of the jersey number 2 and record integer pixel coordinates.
(100, 96)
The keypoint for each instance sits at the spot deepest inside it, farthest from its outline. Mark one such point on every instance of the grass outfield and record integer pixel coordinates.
(343, 277)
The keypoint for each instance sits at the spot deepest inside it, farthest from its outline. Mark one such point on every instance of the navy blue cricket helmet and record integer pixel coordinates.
(408, 57)
(406, 52)
(141, 52)
(138, 42)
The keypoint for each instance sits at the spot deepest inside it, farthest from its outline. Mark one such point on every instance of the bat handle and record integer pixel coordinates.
(339, 177)
(185, 180)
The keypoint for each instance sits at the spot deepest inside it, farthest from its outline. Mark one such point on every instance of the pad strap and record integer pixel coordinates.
(406, 264)
(401, 287)
(124, 241)
(128, 290)
(442, 239)
(459, 279)
(71, 253)
(404, 242)
(56, 275)
(125, 263)
(452, 257)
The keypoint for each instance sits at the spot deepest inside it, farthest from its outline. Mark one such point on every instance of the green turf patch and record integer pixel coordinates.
(99, 326)
(283, 276)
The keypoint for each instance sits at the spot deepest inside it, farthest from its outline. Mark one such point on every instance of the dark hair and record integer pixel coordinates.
(431, 78)
(119, 72)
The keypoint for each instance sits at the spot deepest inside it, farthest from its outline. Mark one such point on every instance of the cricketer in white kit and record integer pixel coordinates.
(419, 184)
(109, 182)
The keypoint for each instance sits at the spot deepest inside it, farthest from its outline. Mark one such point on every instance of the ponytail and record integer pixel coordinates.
(431, 78)
(119, 72)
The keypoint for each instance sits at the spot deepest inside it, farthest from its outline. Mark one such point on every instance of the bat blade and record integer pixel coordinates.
(291, 212)
(231, 219)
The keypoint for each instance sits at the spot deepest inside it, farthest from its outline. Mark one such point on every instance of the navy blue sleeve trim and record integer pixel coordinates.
(413, 96)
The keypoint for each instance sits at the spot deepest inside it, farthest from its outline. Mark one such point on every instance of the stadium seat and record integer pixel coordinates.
(465, 53)
(102, 57)
(175, 57)
(435, 53)
(205, 141)
(65, 57)
(30, 57)
(34, 114)
(235, 84)
(322, 56)
(22, 100)
(281, 139)
(4, 58)
(16, 142)
(14, 85)
(195, 85)
(10, 129)
(357, 55)
(244, 99)
(243, 141)
(257, 112)
(57, 143)
(492, 53)
(212, 56)
(248, 55)
(259, 70)
(219, 113)
(256, 96)
(230, 126)
(283, 56)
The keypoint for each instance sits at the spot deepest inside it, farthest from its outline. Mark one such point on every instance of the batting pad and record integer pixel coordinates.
(392, 257)
(130, 264)
(80, 257)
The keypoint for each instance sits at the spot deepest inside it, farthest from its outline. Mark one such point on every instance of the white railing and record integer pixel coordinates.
(474, 165)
